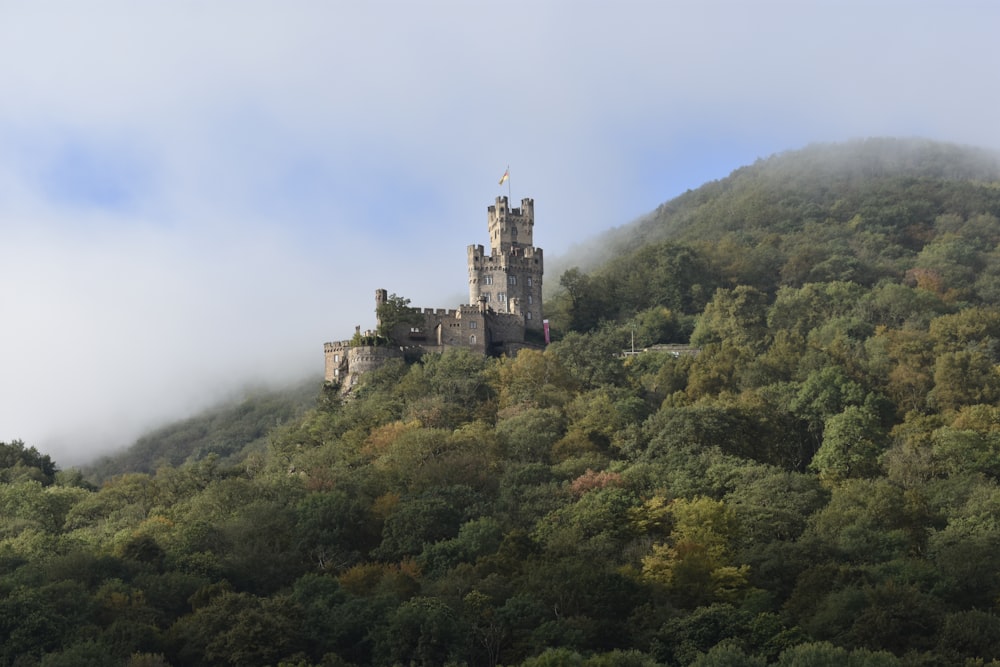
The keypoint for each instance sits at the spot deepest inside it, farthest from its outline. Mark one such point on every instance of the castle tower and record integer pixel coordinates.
(509, 279)
(381, 297)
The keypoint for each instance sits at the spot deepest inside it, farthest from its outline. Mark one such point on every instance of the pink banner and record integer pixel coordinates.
(545, 325)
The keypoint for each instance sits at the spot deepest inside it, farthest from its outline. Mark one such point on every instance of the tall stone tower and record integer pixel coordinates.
(509, 279)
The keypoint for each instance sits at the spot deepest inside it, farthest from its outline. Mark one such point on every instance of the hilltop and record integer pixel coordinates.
(864, 211)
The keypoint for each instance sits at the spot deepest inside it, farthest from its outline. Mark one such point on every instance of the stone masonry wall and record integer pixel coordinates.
(505, 299)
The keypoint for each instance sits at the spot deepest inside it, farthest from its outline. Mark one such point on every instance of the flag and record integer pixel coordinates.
(506, 175)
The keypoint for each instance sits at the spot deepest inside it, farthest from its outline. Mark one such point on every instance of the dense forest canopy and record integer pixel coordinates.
(816, 485)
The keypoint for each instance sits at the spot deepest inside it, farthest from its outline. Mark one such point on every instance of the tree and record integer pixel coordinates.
(238, 629)
(866, 521)
(736, 318)
(966, 551)
(824, 393)
(19, 462)
(727, 654)
(424, 631)
(428, 517)
(593, 359)
(825, 654)
(335, 529)
(533, 378)
(393, 313)
(586, 298)
(695, 563)
(852, 442)
(529, 435)
(964, 378)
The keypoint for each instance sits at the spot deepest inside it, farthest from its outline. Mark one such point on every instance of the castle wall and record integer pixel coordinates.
(362, 359)
(505, 293)
(504, 328)
(335, 357)
(441, 328)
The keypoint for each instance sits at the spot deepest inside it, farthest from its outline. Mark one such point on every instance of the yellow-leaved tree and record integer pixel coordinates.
(695, 564)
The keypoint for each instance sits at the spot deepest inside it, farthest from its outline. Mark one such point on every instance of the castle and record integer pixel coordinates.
(504, 313)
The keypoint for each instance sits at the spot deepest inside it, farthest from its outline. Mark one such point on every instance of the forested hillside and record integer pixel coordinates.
(818, 485)
(230, 431)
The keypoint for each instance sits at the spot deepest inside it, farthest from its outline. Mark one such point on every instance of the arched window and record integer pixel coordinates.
(472, 339)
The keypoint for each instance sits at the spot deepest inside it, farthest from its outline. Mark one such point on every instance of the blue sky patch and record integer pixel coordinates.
(85, 175)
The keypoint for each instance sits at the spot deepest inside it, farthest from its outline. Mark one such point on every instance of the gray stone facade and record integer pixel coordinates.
(509, 279)
(505, 302)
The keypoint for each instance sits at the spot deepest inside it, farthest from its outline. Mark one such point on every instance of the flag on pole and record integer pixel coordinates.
(506, 175)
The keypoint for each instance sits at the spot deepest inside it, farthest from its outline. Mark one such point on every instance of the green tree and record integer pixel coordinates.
(394, 313)
(335, 529)
(533, 378)
(727, 654)
(866, 521)
(530, 434)
(824, 654)
(964, 378)
(424, 631)
(587, 300)
(238, 629)
(852, 443)
(736, 318)
(18, 462)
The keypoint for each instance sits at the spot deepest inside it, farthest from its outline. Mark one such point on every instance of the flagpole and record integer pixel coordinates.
(506, 177)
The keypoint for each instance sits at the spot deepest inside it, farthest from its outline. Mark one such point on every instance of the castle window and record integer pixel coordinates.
(530, 299)
(472, 325)
(487, 280)
(511, 280)
(472, 339)
(529, 281)
(486, 295)
(528, 314)
(501, 297)
(336, 358)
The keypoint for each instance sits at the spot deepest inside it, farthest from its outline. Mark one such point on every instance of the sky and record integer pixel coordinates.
(194, 196)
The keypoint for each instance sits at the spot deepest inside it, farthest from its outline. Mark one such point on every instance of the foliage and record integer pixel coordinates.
(392, 313)
(231, 431)
(815, 481)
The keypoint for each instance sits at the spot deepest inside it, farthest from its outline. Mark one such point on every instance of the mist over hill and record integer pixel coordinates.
(828, 183)
(811, 477)
(862, 211)
(229, 431)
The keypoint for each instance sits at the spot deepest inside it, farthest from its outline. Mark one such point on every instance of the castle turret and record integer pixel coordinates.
(381, 298)
(509, 279)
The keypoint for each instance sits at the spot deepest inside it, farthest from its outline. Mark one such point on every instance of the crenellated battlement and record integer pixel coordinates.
(440, 312)
(510, 227)
(505, 300)
(501, 210)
